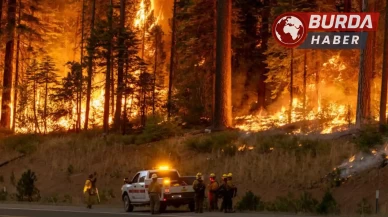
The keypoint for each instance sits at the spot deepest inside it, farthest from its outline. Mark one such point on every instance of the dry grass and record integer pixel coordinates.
(269, 174)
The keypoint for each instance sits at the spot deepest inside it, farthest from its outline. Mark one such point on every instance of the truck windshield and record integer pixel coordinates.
(173, 175)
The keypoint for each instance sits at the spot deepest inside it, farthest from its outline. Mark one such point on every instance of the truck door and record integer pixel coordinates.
(141, 186)
(133, 191)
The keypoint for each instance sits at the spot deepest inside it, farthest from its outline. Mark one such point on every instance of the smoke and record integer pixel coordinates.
(362, 162)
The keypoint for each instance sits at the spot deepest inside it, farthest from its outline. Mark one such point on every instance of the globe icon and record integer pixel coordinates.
(289, 30)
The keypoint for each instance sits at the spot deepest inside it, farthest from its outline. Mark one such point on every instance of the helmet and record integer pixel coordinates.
(230, 175)
(224, 176)
(154, 176)
(199, 174)
(212, 175)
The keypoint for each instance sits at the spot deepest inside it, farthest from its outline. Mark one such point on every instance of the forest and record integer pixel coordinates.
(116, 65)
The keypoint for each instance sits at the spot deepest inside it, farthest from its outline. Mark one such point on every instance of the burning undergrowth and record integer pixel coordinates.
(357, 164)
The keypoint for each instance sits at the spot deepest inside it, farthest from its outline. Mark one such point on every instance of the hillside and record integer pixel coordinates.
(269, 165)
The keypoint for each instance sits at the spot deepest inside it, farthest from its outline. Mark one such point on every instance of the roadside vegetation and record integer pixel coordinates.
(263, 164)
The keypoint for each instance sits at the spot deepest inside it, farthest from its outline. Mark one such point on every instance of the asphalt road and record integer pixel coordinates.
(22, 210)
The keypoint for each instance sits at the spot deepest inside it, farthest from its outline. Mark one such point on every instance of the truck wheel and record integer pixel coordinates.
(162, 207)
(192, 206)
(128, 207)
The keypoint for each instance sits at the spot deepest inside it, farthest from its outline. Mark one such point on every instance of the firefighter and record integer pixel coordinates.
(213, 190)
(90, 191)
(223, 192)
(154, 192)
(199, 188)
(232, 192)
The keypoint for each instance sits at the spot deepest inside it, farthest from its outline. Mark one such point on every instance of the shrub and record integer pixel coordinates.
(369, 137)
(3, 195)
(157, 129)
(23, 143)
(70, 170)
(26, 187)
(67, 198)
(283, 204)
(328, 205)
(364, 207)
(306, 203)
(250, 202)
(217, 141)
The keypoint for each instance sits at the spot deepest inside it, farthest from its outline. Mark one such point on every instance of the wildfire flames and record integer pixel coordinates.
(98, 97)
(333, 116)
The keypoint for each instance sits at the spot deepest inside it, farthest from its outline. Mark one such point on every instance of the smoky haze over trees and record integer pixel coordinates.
(71, 65)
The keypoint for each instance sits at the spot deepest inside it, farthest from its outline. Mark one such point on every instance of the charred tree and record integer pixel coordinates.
(304, 82)
(383, 99)
(108, 69)
(365, 78)
(261, 90)
(79, 103)
(291, 86)
(90, 49)
(317, 83)
(223, 97)
(8, 66)
(172, 64)
(120, 70)
(155, 68)
(15, 93)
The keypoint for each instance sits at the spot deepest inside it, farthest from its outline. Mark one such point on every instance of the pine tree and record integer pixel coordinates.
(46, 77)
(8, 66)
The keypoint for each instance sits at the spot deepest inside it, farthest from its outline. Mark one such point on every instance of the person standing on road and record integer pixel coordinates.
(154, 192)
(199, 188)
(232, 192)
(223, 192)
(90, 191)
(213, 190)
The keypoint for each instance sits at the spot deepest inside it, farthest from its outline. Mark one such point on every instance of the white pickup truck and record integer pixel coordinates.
(176, 190)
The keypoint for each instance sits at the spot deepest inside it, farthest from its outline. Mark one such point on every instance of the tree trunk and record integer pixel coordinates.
(90, 67)
(15, 93)
(261, 90)
(317, 84)
(34, 107)
(291, 86)
(8, 65)
(124, 122)
(223, 98)
(214, 56)
(304, 82)
(155, 68)
(364, 80)
(383, 101)
(82, 66)
(45, 104)
(172, 64)
(112, 86)
(108, 70)
(120, 70)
